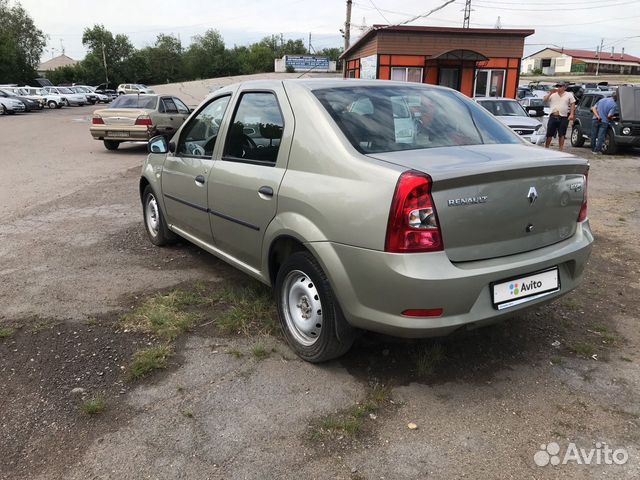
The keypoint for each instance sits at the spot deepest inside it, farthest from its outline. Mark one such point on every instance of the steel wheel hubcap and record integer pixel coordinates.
(153, 216)
(302, 307)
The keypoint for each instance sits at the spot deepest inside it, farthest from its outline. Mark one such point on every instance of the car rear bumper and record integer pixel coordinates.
(128, 133)
(375, 287)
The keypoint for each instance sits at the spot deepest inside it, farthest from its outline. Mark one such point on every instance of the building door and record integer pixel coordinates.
(449, 77)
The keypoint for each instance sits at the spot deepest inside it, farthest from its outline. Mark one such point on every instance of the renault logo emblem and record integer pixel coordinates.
(532, 195)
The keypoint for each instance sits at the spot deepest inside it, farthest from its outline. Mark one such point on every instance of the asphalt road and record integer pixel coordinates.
(72, 248)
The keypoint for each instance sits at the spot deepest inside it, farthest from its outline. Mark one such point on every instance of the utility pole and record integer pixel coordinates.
(104, 61)
(309, 49)
(347, 36)
(467, 14)
(599, 55)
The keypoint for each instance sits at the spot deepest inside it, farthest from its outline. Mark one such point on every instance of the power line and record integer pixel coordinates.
(556, 9)
(378, 10)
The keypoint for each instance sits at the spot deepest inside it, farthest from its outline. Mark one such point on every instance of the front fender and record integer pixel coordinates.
(152, 175)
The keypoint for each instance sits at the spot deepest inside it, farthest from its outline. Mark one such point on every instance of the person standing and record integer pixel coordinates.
(603, 110)
(562, 106)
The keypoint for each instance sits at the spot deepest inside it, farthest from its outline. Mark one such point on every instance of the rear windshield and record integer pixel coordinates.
(388, 119)
(134, 101)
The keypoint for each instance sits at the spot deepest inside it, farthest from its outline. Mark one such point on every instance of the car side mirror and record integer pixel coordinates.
(157, 144)
(532, 112)
(172, 147)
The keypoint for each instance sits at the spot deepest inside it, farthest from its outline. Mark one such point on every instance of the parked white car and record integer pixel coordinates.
(101, 97)
(70, 97)
(10, 106)
(511, 113)
(126, 88)
(52, 100)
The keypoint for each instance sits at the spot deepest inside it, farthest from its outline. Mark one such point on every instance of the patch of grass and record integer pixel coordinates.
(6, 332)
(42, 325)
(259, 352)
(622, 219)
(187, 413)
(556, 360)
(571, 304)
(235, 352)
(166, 315)
(600, 328)
(428, 358)
(351, 421)
(147, 360)
(626, 359)
(583, 349)
(94, 406)
(251, 310)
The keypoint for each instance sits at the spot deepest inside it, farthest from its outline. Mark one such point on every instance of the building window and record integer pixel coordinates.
(489, 83)
(406, 74)
(449, 77)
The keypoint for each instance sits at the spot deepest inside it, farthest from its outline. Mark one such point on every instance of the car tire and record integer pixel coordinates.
(111, 144)
(309, 314)
(3, 110)
(51, 104)
(577, 139)
(610, 147)
(154, 222)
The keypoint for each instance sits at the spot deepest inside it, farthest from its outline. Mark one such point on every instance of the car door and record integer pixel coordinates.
(185, 172)
(168, 119)
(584, 113)
(244, 182)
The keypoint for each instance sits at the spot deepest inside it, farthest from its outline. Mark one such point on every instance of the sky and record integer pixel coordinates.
(572, 24)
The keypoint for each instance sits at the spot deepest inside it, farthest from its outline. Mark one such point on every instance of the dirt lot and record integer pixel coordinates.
(233, 402)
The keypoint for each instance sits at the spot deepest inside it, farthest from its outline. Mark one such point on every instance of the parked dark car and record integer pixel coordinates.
(29, 104)
(107, 89)
(624, 130)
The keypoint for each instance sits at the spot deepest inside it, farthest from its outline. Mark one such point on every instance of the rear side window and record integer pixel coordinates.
(386, 119)
(169, 105)
(256, 129)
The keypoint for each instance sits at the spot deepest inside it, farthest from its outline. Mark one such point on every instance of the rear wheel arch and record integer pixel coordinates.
(279, 250)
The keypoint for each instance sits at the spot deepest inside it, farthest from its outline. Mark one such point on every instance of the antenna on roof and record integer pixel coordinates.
(498, 24)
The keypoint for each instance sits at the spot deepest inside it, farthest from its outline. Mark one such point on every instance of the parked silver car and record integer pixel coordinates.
(9, 106)
(357, 226)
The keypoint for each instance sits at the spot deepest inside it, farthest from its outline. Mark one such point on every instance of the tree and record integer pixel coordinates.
(207, 57)
(164, 59)
(104, 47)
(21, 44)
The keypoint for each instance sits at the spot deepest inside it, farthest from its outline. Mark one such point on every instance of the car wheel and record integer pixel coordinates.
(577, 140)
(111, 144)
(3, 111)
(309, 312)
(51, 104)
(609, 146)
(154, 220)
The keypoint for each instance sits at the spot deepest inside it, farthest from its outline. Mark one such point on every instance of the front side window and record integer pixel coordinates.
(256, 129)
(387, 119)
(199, 136)
(504, 108)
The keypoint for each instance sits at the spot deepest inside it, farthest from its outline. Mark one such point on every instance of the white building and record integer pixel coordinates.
(562, 60)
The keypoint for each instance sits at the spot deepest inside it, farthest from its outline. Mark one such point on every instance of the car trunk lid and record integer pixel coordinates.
(120, 116)
(497, 200)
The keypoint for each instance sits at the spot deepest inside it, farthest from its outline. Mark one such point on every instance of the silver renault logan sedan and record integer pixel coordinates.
(398, 208)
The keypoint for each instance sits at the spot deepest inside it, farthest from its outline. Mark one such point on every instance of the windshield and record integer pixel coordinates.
(8, 92)
(504, 108)
(386, 119)
(135, 101)
(64, 90)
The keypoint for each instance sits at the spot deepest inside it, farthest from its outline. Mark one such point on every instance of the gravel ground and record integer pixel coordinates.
(74, 259)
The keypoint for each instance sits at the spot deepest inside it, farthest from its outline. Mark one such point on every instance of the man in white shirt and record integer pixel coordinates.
(562, 106)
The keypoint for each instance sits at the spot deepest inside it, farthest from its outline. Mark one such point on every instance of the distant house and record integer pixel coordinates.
(59, 61)
(562, 60)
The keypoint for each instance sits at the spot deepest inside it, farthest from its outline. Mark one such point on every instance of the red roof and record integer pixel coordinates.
(591, 55)
(428, 29)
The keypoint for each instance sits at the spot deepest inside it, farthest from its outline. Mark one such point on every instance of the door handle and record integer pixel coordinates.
(266, 191)
(200, 179)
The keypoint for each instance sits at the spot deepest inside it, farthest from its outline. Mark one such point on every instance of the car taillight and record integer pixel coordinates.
(144, 121)
(413, 222)
(582, 216)
(97, 121)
